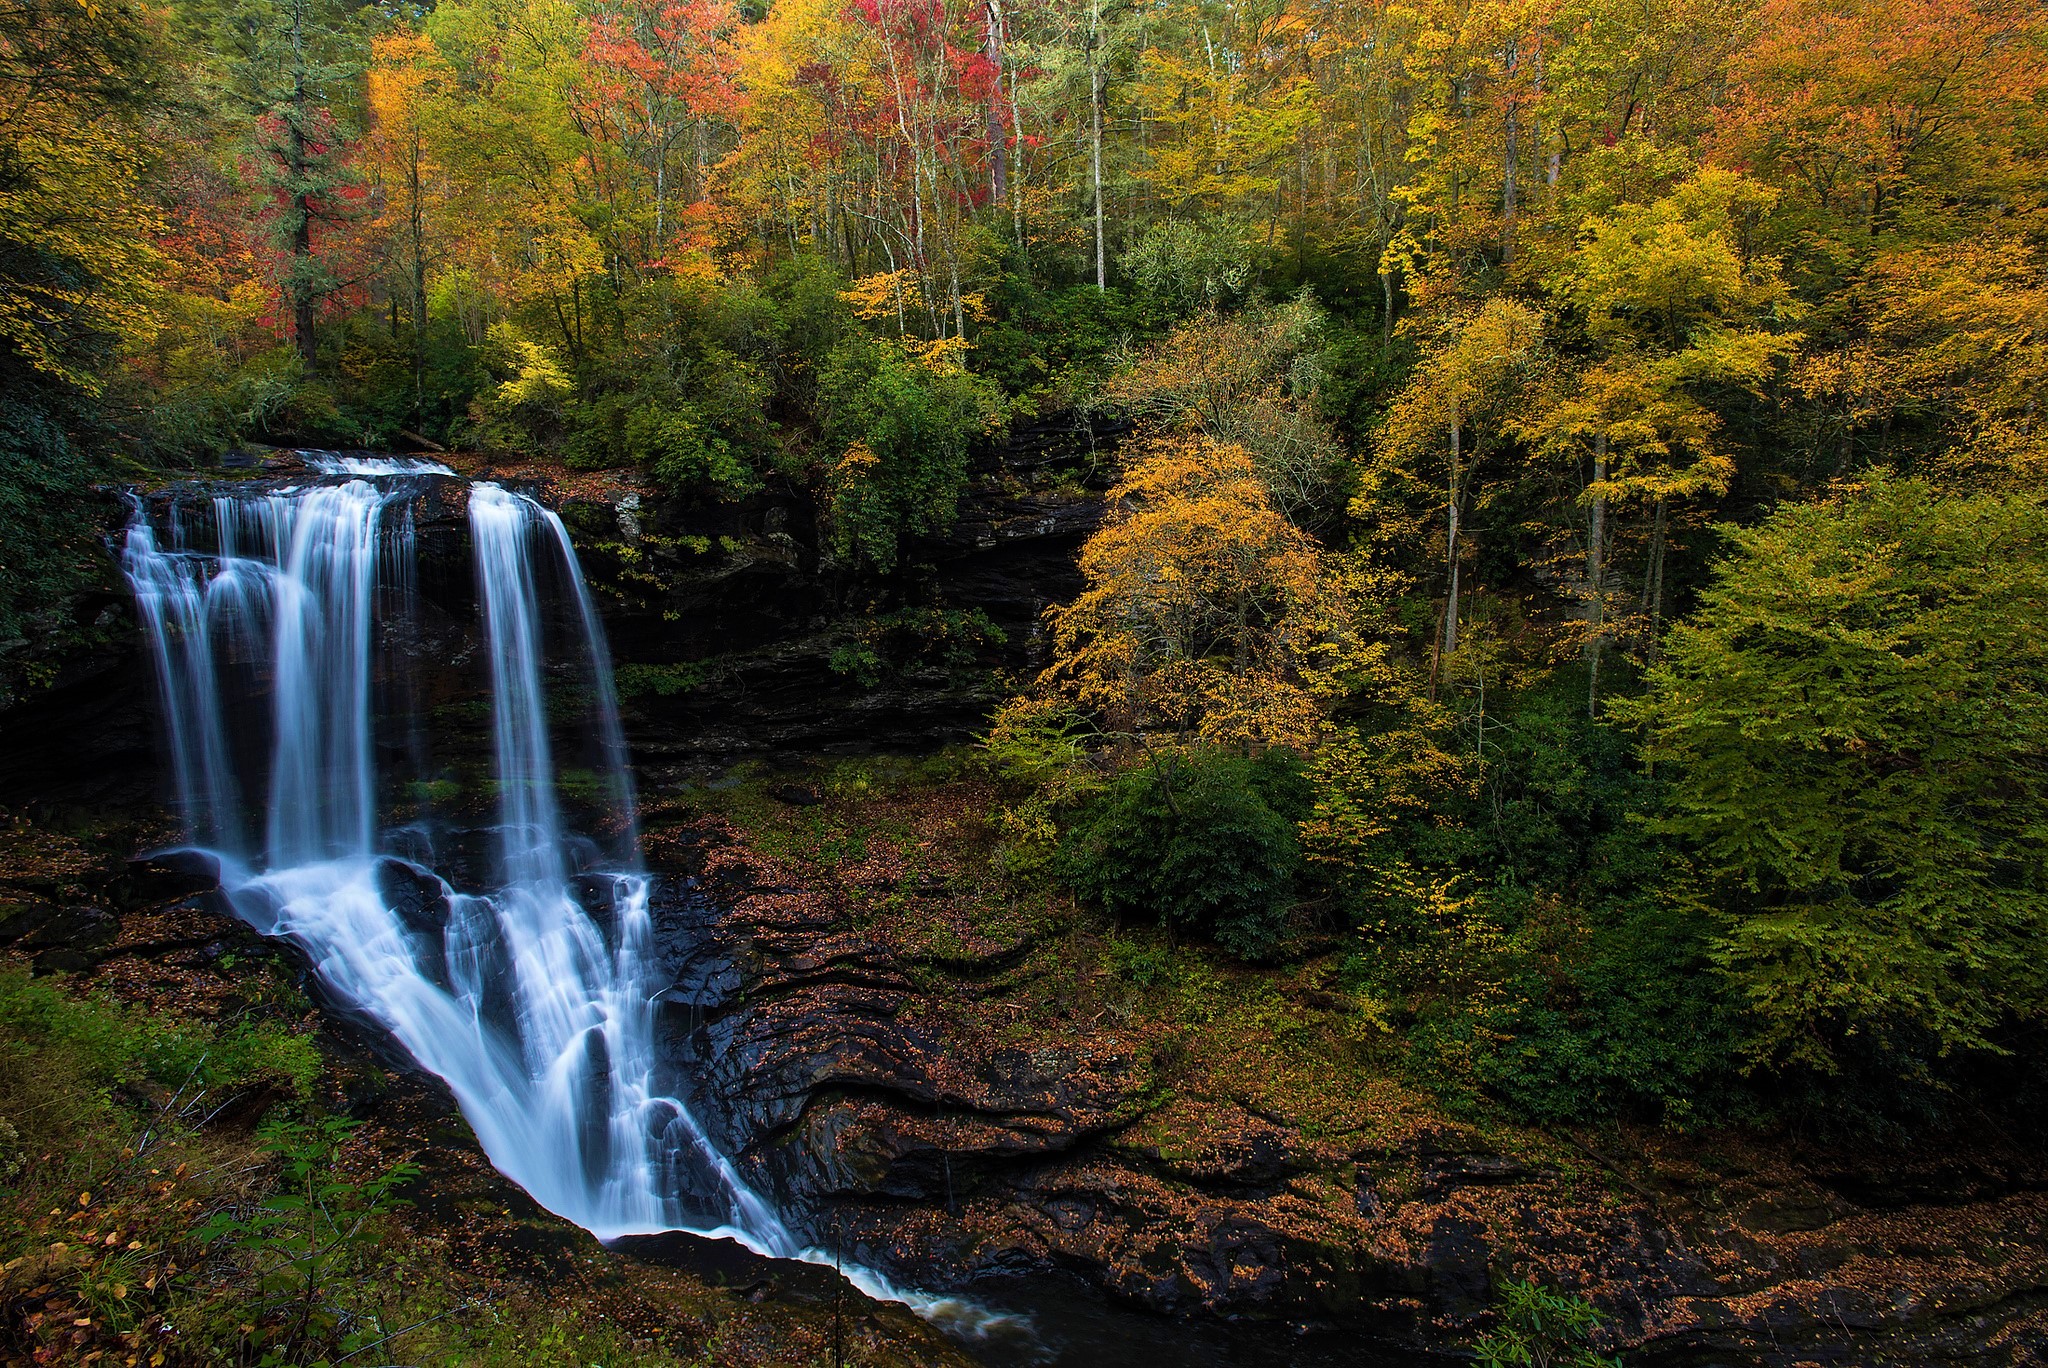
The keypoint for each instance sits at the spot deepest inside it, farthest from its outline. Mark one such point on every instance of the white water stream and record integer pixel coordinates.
(531, 993)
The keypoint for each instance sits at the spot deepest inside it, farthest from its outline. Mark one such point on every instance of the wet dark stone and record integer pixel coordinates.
(415, 896)
(165, 876)
(593, 1131)
(1457, 1261)
(726, 1263)
(72, 933)
(1451, 1171)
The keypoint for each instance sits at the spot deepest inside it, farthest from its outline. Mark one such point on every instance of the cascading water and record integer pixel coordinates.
(530, 992)
(530, 995)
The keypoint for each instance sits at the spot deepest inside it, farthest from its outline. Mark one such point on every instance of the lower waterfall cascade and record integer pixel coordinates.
(528, 986)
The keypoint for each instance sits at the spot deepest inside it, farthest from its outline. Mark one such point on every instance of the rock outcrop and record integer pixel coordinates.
(876, 1086)
(729, 622)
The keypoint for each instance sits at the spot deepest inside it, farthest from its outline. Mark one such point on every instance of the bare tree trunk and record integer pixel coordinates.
(1095, 150)
(959, 316)
(700, 154)
(417, 223)
(998, 151)
(298, 164)
(1653, 581)
(1596, 552)
(1450, 635)
(659, 147)
(1510, 154)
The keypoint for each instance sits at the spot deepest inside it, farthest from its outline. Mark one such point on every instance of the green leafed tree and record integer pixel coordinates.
(286, 67)
(1857, 721)
(77, 267)
(902, 420)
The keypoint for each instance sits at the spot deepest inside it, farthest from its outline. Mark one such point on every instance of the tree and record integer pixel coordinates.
(525, 178)
(1906, 115)
(1857, 721)
(74, 230)
(1671, 312)
(658, 80)
(77, 268)
(1468, 386)
(1201, 840)
(285, 62)
(1943, 361)
(405, 87)
(901, 417)
(1206, 611)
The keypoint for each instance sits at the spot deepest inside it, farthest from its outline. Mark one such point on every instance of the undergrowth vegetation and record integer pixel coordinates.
(173, 1194)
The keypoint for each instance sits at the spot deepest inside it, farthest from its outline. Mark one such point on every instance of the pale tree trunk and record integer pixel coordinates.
(1510, 154)
(299, 165)
(919, 261)
(660, 146)
(1450, 634)
(1596, 555)
(1653, 580)
(417, 225)
(700, 156)
(1095, 140)
(998, 151)
(1015, 150)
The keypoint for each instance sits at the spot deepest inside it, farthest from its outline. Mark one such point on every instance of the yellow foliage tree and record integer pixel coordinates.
(1207, 613)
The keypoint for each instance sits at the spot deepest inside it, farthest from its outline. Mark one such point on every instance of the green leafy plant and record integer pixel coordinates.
(1855, 725)
(1203, 841)
(902, 423)
(660, 681)
(310, 1245)
(1540, 1328)
(918, 640)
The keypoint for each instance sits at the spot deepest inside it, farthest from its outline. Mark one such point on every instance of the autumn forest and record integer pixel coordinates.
(1571, 583)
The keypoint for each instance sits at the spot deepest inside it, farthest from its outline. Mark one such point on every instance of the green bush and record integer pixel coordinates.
(901, 426)
(919, 640)
(1203, 841)
(1056, 342)
(1542, 1329)
(1565, 969)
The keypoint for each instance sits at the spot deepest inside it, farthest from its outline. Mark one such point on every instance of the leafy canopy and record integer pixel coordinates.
(1858, 719)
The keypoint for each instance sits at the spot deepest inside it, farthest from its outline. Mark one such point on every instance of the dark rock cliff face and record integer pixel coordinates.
(723, 619)
(732, 623)
(856, 1081)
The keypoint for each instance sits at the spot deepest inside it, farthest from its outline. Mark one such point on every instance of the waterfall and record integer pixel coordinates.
(530, 993)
